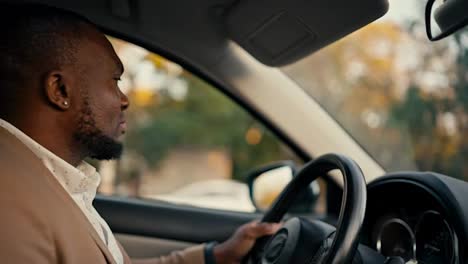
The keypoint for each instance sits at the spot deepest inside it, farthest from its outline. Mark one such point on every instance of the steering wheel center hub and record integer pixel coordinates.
(283, 247)
(276, 246)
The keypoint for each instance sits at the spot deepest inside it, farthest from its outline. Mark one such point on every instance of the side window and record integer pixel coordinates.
(187, 142)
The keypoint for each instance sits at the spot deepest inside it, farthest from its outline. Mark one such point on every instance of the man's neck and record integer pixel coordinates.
(50, 139)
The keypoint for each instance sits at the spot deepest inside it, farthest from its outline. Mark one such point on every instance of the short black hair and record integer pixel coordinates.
(34, 38)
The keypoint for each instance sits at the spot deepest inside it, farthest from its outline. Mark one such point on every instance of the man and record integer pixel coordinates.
(60, 103)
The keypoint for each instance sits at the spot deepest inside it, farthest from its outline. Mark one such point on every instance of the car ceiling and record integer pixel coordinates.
(199, 38)
(196, 32)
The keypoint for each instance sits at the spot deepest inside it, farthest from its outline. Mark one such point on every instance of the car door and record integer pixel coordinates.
(188, 151)
(154, 228)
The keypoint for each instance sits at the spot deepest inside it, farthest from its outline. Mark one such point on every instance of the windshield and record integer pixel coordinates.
(401, 97)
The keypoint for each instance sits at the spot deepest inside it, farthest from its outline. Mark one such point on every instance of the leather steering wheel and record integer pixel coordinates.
(302, 241)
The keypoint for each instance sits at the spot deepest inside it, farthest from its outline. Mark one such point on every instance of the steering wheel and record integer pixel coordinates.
(302, 241)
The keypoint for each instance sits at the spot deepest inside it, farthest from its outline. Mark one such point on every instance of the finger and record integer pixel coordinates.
(255, 223)
(256, 230)
(272, 228)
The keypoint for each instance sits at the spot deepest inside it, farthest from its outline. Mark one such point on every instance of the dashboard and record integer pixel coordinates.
(418, 217)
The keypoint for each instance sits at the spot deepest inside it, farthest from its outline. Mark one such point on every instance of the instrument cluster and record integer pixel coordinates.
(408, 220)
(427, 239)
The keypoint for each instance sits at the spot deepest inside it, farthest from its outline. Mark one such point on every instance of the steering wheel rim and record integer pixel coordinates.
(352, 211)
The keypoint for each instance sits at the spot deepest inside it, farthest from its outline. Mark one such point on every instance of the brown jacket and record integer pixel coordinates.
(41, 224)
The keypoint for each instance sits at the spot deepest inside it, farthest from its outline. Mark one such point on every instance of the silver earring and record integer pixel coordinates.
(65, 103)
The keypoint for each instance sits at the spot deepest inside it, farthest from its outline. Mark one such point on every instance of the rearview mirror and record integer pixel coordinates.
(444, 17)
(266, 183)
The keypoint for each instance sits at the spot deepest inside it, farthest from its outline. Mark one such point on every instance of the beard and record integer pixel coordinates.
(94, 142)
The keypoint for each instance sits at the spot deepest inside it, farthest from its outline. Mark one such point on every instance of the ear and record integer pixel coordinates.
(57, 91)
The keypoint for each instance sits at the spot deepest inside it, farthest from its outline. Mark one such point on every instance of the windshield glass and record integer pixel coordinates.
(403, 98)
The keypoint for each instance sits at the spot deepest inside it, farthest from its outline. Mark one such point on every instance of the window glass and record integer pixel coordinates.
(402, 97)
(187, 142)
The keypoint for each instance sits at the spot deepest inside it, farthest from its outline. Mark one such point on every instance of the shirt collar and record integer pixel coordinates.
(81, 179)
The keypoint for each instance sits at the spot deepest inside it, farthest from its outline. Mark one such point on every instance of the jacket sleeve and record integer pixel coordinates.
(191, 255)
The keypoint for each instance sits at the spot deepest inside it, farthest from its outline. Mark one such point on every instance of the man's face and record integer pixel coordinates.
(100, 120)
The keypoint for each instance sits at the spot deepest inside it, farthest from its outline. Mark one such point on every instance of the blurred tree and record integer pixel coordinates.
(401, 97)
(357, 81)
(438, 122)
(203, 119)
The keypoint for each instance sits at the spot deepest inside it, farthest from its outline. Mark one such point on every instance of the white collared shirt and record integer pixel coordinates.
(81, 184)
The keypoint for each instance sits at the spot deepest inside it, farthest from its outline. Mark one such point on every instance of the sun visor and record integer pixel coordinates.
(279, 32)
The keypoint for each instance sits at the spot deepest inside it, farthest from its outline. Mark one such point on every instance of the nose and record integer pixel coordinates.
(124, 102)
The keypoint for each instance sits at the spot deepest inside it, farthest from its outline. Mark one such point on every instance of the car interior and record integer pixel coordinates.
(372, 214)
